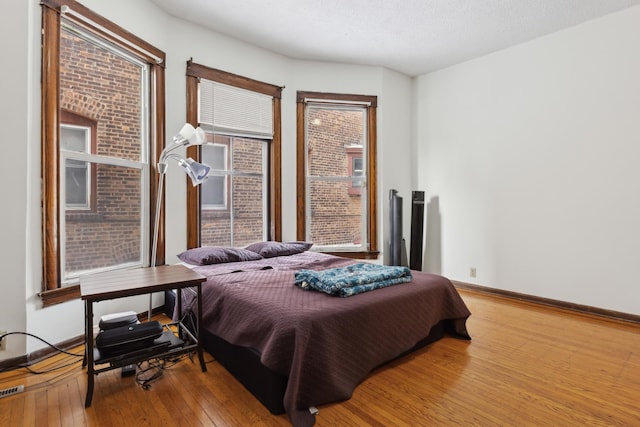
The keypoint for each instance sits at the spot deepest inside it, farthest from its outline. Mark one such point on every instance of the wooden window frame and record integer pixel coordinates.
(52, 292)
(371, 170)
(194, 73)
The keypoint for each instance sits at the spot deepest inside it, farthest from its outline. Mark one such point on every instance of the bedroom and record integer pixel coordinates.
(538, 191)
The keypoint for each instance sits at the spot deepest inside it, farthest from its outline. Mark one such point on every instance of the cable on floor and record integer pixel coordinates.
(27, 365)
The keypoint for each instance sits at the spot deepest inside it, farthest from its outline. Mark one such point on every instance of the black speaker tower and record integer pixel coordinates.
(395, 232)
(417, 228)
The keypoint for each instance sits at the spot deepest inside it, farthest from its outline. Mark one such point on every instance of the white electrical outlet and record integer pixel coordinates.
(472, 272)
(3, 343)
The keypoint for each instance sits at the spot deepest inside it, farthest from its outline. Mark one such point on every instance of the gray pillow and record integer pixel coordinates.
(272, 249)
(208, 255)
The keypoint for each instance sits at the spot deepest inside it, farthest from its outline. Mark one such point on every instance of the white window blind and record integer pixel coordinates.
(232, 110)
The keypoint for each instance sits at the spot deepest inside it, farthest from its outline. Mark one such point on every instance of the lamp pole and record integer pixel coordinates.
(196, 171)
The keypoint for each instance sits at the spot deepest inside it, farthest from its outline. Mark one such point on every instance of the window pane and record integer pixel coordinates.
(335, 217)
(336, 212)
(110, 235)
(74, 139)
(213, 192)
(215, 227)
(247, 155)
(243, 223)
(248, 211)
(106, 87)
(76, 184)
(232, 202)
(329, 133)
(357, 166)
(357, 171)
(215, 156)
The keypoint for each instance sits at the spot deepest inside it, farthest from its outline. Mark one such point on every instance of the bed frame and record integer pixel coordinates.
(266, 385)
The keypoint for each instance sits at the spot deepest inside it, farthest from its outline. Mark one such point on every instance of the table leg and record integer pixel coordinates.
(88, 309)
(199, 328)
(86, 331)
(177, 308)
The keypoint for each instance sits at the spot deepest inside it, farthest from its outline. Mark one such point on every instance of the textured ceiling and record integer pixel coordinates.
(410, 36)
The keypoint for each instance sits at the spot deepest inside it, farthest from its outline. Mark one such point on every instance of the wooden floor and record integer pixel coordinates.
(527, 365)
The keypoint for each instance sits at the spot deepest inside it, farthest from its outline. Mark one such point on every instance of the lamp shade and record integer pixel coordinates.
(187, 132)
(198, 172)
(189, 135)
(198, 137)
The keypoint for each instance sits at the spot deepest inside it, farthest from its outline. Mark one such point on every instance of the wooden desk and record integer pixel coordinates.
(127, 283)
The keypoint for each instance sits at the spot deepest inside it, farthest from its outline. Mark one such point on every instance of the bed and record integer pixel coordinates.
(295, 348)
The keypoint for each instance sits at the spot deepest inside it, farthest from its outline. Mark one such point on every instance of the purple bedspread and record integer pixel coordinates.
(325, 345)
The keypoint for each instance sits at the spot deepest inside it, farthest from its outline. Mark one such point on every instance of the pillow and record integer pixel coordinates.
(272, 249)
(208, 255)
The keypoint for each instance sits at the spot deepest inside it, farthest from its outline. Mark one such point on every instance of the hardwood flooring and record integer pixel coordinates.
(527, 365)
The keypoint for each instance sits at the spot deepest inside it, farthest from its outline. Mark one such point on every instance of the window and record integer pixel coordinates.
(102, 98)
(355, 163)
(336, 173)
(214, 190)
(77, 172)
(77, 143)
(240, 201)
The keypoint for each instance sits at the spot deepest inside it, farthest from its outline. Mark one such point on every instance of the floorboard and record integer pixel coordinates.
(527, 365)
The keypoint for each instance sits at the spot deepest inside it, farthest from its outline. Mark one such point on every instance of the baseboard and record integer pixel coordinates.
(39, 355)
(13, 363)
(584, 309)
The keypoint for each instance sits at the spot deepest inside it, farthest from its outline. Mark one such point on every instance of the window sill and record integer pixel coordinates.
(355, 255)
(60, 295)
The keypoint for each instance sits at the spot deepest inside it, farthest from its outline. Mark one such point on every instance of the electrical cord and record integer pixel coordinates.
(154, 369)
(142, 376)
(43, 340)
(27, 365)
(50, 369)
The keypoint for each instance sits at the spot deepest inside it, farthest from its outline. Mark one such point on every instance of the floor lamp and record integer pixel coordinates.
(198, 172)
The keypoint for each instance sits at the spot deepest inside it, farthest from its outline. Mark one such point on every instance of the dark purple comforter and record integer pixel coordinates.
(325, 345)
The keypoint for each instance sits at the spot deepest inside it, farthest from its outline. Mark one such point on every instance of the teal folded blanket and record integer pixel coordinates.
(353, 279)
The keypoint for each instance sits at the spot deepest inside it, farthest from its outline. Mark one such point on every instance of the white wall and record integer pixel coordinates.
(20, 248)
(532, 156)
(395, 152)
(14, 119)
